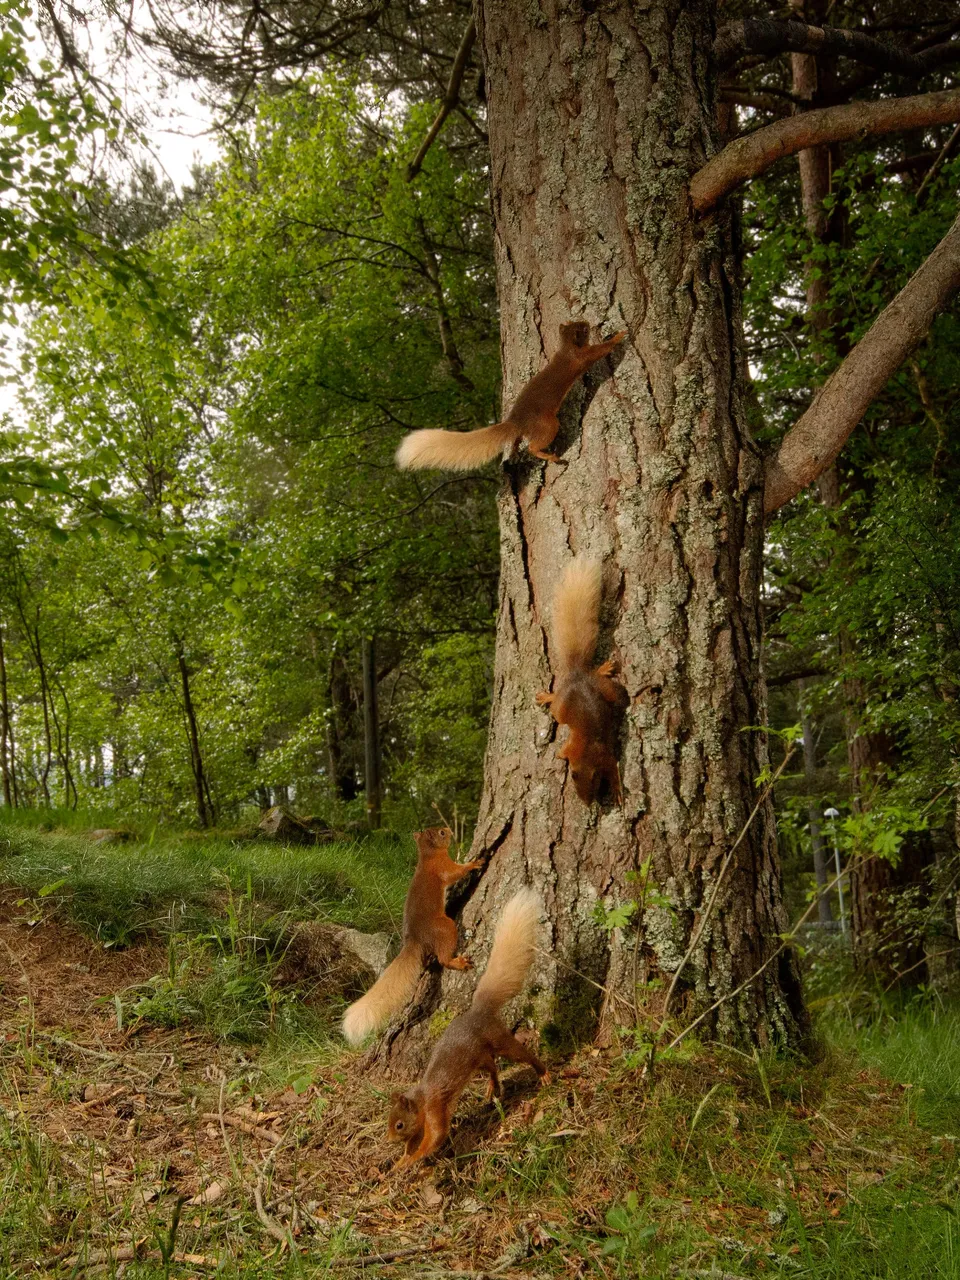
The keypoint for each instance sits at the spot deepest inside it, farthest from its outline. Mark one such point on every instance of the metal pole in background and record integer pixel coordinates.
(833, 814)
(371, 734)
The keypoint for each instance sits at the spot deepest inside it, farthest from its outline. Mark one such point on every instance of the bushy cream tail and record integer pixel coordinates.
(454, 450)
(576, 613)
(387, 996)
(512, 952)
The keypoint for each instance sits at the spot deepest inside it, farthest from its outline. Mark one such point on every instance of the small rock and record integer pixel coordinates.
(109, 835)
(279, 824)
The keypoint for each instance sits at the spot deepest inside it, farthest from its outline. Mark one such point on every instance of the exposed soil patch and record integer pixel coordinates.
(60, 972)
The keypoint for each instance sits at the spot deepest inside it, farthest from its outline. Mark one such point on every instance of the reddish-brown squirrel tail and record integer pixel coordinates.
(387, 996)
(454, 450)
(576, 614)
(512, 952)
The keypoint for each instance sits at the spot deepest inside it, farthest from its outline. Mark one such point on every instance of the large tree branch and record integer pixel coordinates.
(451, 98)
(773, 36)
(818, 435)
(751, 154)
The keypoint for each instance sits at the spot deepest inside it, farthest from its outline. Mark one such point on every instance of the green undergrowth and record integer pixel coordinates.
(224, 910)
(120, 891)
(917, 1044)
(745, 1167)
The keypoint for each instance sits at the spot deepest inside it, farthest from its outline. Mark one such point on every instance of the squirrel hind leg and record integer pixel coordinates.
(445, 946)
(508, 1046)
(494, 1087)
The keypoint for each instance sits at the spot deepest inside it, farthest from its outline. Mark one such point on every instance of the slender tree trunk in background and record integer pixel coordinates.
(340, 739)
(596, 122)
(71, 796)
(816, 166)
(204, 808)
(45, 702)
(7, 762)
(371, 734)
(824, 914)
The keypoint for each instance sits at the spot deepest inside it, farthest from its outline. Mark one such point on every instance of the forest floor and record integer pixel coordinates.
(137, 1149)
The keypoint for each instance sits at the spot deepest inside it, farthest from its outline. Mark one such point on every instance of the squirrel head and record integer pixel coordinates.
(575, 334)
(433, 838)
(585, 771)
(406, 1117)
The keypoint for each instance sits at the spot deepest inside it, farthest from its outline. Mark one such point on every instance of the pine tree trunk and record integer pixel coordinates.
(596, 122)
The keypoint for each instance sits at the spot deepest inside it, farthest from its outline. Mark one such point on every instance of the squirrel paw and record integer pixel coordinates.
(543, 699)
(546, 1079)
(609, 668)
(546, 457)
(476, 865)
(459, 962)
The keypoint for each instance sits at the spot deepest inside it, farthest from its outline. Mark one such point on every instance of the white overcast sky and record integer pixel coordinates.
(177, 127)
(177, 121)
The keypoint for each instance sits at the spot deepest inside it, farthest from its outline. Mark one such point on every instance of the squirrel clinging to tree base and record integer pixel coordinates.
(584, 697)
(533, 417)
(427, 931)
(472, 1043)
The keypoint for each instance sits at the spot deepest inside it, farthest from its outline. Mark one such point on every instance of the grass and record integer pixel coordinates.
(223, 907)
(721, 1165)
(118, 892)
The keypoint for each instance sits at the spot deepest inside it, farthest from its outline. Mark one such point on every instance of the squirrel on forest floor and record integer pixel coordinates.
(585, 697)
(533, 417)
(427, 931)
(421, 1117)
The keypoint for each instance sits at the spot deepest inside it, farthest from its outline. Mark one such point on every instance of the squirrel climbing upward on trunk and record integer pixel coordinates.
(427, 931)
(421, 1117)
(584, 697)
(533, 417)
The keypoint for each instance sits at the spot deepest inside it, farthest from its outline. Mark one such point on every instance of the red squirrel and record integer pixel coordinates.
(584, 697)
(427, 931)
(533, 417)
(421, 1117)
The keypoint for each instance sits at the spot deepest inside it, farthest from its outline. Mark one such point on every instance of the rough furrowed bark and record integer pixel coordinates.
(596, 123)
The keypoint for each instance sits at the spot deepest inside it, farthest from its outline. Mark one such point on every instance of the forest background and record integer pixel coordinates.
(203, 524)
(208, 558)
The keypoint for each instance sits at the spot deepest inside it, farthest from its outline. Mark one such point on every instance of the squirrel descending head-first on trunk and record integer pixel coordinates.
(584, 698)
(533, 417)
(421, 1117)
